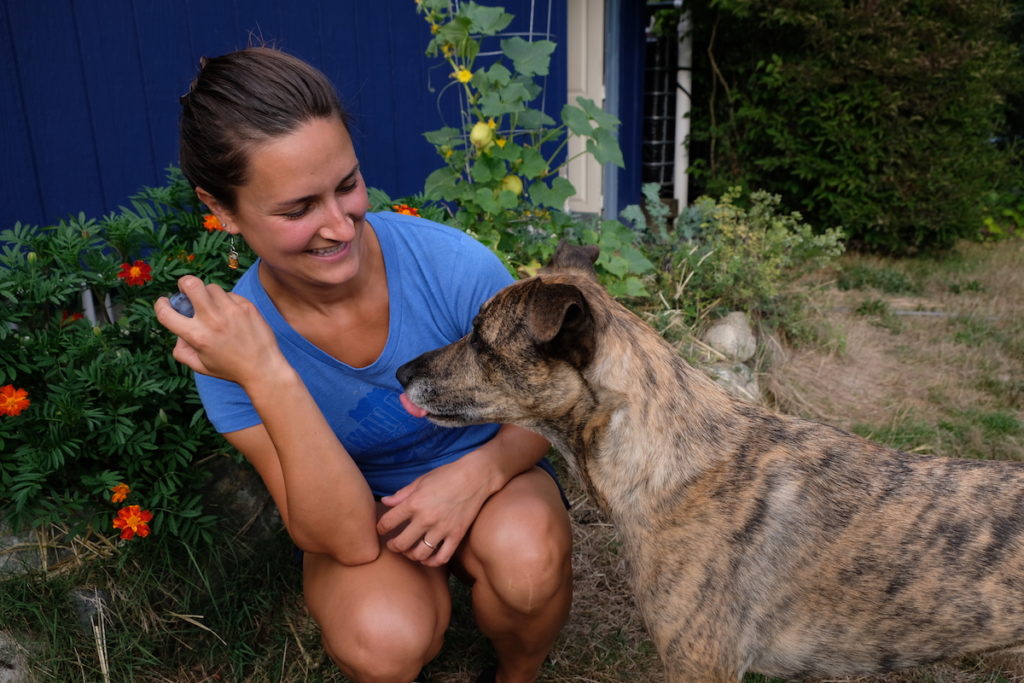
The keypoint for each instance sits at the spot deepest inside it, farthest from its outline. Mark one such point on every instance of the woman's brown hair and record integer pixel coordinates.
(241, 99)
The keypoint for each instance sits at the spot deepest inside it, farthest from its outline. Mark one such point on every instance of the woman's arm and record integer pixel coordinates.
(323, 498)
(441, 505)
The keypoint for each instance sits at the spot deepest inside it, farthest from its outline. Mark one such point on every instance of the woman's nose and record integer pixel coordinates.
(340, 224)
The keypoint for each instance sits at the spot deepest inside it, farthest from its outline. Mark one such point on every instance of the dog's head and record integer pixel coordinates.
(524, 359)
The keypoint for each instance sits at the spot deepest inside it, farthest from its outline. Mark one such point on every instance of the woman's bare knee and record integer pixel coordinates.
(378, 622)
(382, 648)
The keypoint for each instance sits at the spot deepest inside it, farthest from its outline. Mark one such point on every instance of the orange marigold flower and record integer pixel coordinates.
(406, 209)
(211, 222)
(137, 273)
(121, 492)
(132, 520)
(13, 401)
(67, 318)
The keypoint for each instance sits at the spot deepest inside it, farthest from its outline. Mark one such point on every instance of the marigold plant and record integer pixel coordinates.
(108, 402)
(13, 401)
(135, 274)
(212, 223)
(121, 492)
(132, 520)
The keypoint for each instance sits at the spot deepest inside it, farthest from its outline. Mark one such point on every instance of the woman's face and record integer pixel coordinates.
(303, 210)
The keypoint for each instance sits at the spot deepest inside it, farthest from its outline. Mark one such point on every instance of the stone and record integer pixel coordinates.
(19, 552)
(90, 605)
(13, 660)
(237, 494)
(733, 337)
(737, 379)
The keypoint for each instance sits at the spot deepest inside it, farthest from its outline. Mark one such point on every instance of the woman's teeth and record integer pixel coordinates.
(327, 251)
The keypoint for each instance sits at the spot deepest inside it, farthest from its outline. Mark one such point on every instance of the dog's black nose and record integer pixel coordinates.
(404, 373)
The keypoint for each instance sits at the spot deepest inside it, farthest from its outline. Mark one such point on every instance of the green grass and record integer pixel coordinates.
(969, 433)
(884, 279)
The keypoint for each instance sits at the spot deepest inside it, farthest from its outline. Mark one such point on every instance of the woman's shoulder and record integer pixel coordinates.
(421, 238)
(414, 228)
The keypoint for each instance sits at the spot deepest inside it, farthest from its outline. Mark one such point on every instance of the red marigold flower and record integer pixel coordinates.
(121, 492)
(132, 520)
(67, 318)
(406, 209)
(137, 273)
(13, 401)
(211, 222)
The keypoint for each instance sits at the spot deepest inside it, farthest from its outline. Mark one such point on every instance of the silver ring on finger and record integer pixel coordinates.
(428, 543)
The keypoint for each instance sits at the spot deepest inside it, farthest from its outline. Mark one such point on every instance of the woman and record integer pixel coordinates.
(296, 369)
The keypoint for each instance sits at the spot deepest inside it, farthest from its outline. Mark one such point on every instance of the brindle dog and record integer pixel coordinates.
(755, 541)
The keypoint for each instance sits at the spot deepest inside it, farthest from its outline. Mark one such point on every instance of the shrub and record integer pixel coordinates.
(878, 116)
(107, 402)
(745, 257)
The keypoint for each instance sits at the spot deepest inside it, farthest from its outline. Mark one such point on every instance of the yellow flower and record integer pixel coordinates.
(448, 49)
(500, 142)
(435, 29)
(463, 75)
(491, 124)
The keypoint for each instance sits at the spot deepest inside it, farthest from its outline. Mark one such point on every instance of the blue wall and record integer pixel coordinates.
(89, 88)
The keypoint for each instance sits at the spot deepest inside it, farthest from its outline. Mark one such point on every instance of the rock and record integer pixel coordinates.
(13, 660)
(90, 605)
(19, 552)
(736, 378)
(733, 337)
(237, 493)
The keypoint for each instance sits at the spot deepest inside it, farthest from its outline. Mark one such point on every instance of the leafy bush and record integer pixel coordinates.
(745, 256)
(881, 117)
(500, 181)
(106, 403)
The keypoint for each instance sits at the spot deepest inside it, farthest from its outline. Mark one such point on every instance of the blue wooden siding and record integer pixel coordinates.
(89, 88)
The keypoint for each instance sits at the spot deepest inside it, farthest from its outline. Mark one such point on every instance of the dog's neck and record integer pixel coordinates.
(654, 424)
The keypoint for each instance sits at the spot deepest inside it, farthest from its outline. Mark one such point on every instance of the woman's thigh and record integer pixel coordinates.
(390, 612)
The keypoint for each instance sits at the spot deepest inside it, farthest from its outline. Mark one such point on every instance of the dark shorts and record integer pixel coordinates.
(545, 465)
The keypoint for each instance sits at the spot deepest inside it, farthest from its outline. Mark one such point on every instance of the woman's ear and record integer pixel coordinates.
(222, 214)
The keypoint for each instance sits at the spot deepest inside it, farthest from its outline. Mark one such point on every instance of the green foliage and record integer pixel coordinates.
(880, 117)
(746, 256)
(108, 403)
(501, 180)
(888, 280)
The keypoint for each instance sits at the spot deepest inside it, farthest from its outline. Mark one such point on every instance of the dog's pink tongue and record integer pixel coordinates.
(411, 407)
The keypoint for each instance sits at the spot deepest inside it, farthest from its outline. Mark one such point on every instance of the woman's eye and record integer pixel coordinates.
(345, 189)
(298, 213)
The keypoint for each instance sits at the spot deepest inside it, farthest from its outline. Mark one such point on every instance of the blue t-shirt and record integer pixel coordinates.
(437, 278)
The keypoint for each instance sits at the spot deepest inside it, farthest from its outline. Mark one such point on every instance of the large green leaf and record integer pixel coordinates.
(530, 59)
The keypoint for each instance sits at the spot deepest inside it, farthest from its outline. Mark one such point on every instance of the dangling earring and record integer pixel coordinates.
(232, 255)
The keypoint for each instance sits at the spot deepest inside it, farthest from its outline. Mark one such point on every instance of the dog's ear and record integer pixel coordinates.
(560, 322)
(574, 257)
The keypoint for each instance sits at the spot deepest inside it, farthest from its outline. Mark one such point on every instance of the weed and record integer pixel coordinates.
(884, 279)
(972, 331)
(882, 312)
(904, 434)
(968, 286)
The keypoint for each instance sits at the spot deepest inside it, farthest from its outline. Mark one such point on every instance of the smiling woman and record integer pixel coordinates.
(296, 367)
